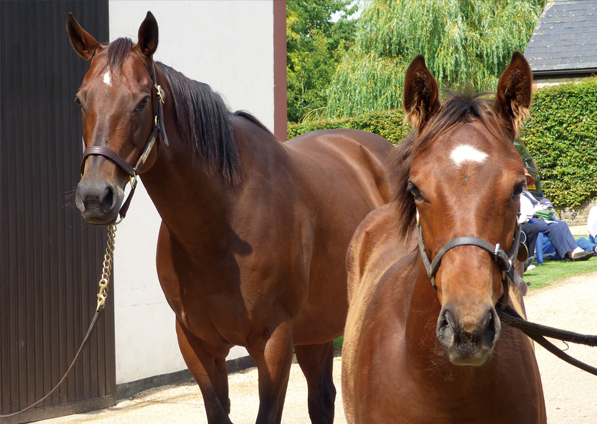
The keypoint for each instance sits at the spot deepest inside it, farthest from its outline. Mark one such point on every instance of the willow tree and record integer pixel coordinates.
(315, 45)
(464, 42)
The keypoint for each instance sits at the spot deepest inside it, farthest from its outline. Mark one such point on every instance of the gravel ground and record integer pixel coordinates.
(570, 394)
(183, 404)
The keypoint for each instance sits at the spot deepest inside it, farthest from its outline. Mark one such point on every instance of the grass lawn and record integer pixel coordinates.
(338, 346)
(553, 270)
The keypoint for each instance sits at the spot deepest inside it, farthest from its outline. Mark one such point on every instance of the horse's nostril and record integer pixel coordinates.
(447, 318)
(492, 329)
(489, 322)
(445, 328)
(108, 200)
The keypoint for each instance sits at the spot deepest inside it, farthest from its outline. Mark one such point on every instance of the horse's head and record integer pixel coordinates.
(116, 98)
(464, 180)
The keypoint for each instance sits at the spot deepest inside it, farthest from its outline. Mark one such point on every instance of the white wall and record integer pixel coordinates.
(228, 45)
(556, 81)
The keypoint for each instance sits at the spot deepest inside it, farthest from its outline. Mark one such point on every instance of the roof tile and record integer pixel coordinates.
(565, 37)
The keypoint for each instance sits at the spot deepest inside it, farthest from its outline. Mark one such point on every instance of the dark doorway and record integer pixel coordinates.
(50, 259)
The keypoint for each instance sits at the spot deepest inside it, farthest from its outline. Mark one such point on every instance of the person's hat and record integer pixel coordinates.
(546, 204)
(530, 179)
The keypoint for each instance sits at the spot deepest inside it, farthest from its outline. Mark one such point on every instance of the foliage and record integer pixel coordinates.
(464, 42)
(314, 48)
(338, 343)
(561, 136)
(550, 271)
(388, 124)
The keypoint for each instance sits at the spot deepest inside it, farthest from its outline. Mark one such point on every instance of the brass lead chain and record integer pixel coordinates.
(102, 295)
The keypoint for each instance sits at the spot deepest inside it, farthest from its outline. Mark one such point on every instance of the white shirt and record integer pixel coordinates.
(527, 210)
(592, 220)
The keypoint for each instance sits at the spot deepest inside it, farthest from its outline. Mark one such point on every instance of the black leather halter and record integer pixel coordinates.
(504, 260)
(133, 172)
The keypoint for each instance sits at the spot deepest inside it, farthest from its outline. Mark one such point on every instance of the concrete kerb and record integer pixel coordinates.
(127, 390)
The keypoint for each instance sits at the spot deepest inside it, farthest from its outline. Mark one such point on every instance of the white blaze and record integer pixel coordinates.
(107, 79)
(467, 153)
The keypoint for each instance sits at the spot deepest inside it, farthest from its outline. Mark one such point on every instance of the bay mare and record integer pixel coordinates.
(254, 232)
(432, 350)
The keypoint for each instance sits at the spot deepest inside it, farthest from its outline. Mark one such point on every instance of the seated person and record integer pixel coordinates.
(592, 224)
(584, 243)
(556, 231)
(531, 231)
(589, 243)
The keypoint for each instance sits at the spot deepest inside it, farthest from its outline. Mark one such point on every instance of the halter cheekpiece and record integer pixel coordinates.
(504, 260)
(133, 172)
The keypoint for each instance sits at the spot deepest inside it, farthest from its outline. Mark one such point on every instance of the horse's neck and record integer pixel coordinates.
(185, 196)
(195, 206)
(423, 311)
(191, 203)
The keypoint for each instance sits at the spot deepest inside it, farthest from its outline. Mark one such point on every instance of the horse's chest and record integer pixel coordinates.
(225, 305)
(439, 394)
(215, 316)
(217, 321)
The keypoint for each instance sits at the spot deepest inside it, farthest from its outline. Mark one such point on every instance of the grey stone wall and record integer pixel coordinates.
(577, 216)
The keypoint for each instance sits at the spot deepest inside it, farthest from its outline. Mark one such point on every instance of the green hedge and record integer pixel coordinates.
(561, 134)
(562, 137)
(389, 124)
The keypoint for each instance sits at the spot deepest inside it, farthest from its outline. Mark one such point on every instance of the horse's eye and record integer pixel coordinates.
(142, 104)
(518, 190)
(414, 191)
(78, 101)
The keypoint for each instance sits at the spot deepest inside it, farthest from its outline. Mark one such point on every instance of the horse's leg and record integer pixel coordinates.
(317, 361)
(209, 372)
(273, 357)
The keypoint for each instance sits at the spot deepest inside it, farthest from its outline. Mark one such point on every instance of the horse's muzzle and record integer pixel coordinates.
(468, 341)
(98, 201)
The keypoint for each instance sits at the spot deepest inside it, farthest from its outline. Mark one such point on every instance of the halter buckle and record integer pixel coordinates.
(133, 180)
(160, 93)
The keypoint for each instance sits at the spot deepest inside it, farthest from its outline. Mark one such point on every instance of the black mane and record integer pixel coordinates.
(201, 114)
(205, 120)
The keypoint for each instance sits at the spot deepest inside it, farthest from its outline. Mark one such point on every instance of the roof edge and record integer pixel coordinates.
(558, 73)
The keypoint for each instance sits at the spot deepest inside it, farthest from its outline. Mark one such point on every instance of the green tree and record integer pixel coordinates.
(464, 42)
(315, 46)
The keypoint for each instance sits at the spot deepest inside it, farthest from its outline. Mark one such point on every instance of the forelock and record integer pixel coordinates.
(118, 51)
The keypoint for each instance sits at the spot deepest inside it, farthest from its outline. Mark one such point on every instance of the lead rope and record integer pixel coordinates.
(510, 317)
(102, 295)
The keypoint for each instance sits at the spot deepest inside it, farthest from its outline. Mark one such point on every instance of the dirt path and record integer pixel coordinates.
(570, 394)
(183, 404)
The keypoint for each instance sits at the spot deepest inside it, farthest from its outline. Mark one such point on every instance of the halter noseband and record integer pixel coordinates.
(158, 112)
(504, 260)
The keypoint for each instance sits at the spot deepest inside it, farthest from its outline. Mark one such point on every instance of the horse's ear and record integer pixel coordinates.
(514, 92)
(148, 36)
(83, 43)
(421, 95)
